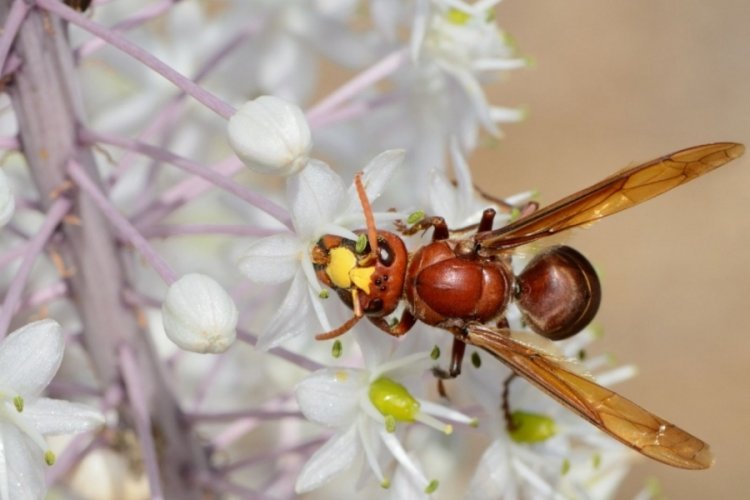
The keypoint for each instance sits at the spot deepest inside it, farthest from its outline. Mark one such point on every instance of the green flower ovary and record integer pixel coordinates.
(531, 427)
(392, 399)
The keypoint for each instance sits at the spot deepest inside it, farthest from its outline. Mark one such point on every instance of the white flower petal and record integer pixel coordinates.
(330, 396)
(272, 260)
(21, 466)
(55, 416)
(7, 201)
(199, 315)
(317, 194)
(332, 458)
(377, 173)
(491, 478)
(30, 357)
(271, 136)
(442, 197)
(291, 318)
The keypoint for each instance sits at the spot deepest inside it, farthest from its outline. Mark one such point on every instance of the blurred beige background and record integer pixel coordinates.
(620, 82)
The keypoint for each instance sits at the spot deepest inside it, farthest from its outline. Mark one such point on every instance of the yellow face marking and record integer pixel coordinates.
(362, 277)
(343, 270)
(342, 262)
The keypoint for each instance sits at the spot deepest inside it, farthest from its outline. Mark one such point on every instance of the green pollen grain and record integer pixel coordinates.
(49, 457)
(361, 244)
(323, 294)
(565, 467)
(432, 486)
(18, 403)
(456, 16)
(476, 361)
(337, 349)
(390, 423)
(435, 353)
(415, 217)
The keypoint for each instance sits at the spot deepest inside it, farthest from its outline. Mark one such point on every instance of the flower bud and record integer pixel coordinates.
(271, 136)
(7, 202)
(199, 315)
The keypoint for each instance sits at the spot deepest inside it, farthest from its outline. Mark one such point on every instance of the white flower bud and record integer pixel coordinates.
(271, 136)
(7, 202)
(199, 315)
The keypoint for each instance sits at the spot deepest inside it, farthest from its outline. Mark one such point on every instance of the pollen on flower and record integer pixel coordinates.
(18, 403)
(342, 376)
(49, 457)
(432, 487)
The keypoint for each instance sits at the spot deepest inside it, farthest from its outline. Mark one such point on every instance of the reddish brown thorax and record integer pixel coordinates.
(440, 286)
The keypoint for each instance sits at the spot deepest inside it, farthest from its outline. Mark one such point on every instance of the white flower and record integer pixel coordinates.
(460, 204)
(320, 204)
(365, 406)
(465, 42)
(7, 202)
(555, 453)
(271, 136)
(29, 358)
(199, 315)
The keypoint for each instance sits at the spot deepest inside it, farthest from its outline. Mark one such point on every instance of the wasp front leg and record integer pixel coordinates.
(404, 324)
(440, 231)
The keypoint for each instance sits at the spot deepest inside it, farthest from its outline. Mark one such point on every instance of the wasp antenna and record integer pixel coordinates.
(340, 330)
(372, 235)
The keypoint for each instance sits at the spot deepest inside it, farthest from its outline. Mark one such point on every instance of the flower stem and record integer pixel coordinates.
(48, 105)
(209, 100)
(130, 233)
(35, 247)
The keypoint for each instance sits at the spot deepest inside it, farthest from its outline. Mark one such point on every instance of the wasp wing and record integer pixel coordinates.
(614, 194)
(620, 418)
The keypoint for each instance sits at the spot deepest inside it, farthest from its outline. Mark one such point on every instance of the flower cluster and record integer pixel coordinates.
(188, 286)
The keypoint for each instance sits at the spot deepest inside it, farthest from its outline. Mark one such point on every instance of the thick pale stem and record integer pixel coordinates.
(48, 104)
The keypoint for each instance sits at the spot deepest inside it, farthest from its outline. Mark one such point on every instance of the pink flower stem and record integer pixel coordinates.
(130, 233)
(10, 255)
(292, 357)
(354, 110)
(183, 192)
(131, 375)
(225, 183)
(209, 100)
(169, 230)
(144, 15)
(45, 295)
(174, 109)
(8, 143)
(299, 449)
(16, 15)
(78, 447)
(373, 74)
(200, 417)
(12, 301)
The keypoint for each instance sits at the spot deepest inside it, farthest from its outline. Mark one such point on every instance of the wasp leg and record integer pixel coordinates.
(438, 223)
(506, 405)
(488, 217)
(457, 357)
(404, 324)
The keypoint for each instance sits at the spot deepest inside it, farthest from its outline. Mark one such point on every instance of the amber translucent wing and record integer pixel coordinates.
(619, 417)
(614, 194)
